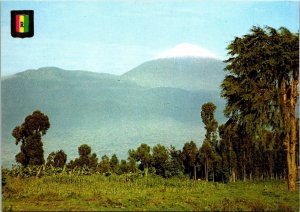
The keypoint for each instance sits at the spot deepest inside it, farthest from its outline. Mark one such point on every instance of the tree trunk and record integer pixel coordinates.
(290, 138)
(233, 176)
(244, 172)
(291, 154)
(206, 170)
(195, 173)
(244, 167)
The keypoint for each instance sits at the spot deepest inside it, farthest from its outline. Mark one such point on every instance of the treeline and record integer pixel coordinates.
(225, 155)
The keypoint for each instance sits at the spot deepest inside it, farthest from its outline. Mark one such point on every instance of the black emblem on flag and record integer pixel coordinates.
(22, 23)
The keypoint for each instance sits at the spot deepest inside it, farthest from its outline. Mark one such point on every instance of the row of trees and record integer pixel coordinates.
(222, 156)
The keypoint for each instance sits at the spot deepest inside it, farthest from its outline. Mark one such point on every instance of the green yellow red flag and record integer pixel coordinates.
(22, 23)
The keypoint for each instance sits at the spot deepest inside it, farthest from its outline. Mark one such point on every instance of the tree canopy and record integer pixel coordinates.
(261, 87)
(57, 159)
(30, 133)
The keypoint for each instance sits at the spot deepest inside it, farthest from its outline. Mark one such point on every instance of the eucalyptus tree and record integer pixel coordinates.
(104, 165)
(208, 151)
(29, 134)
(114, 164)
(57, 159)
(261, 87)
(211, 125)
(160, 158)
(229, 159)
(175, 164)
(190, 158)
(142, 154)
(86, 158)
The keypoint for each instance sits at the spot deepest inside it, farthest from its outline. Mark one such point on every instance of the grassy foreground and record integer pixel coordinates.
(63, 192)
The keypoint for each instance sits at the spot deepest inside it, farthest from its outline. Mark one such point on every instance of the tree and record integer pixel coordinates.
(132, 167)
(114, 164)
(207, 155)
(86, 158)
(30, 133)
(84, 150)
(93, 161)
(261, 87)
(124, 168)
(142, 155)
(160, 157)
(104, 165)
(211, 125)
(190, 154)
(57, 159)
(208, 151)
(175, 164)
(228, 138)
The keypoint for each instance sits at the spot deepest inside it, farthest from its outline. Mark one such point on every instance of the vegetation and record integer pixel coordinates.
(57, 159)
(30, 134)
(208, 152)
(85, 158)
(261, 93)
(97, 192)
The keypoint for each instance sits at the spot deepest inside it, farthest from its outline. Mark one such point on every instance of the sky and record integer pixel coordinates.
(115, 36)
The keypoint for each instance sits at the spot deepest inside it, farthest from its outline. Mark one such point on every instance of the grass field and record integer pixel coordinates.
(63, 192)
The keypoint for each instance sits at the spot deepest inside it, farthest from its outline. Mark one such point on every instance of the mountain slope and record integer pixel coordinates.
(104, 111)
(190, 73)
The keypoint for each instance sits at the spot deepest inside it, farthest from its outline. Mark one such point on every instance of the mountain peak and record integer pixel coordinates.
(186, 50)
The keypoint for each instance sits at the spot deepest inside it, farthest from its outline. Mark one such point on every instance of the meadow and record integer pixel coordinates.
(98, 192)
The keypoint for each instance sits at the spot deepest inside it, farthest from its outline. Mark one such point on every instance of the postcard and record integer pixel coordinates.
(149, 105)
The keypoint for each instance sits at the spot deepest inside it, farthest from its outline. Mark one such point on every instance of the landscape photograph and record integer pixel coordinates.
(150, 105)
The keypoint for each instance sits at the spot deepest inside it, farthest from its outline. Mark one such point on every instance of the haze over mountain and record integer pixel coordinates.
(189, 73)
(156, 102)
(185, 66)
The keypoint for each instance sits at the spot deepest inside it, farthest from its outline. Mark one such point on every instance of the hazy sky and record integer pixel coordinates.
(115, 36)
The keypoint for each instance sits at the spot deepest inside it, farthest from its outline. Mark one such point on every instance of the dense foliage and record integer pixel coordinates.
(30, 135)
(57, 159)
(261, 93)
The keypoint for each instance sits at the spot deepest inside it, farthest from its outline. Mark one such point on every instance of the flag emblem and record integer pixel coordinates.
(22, 23)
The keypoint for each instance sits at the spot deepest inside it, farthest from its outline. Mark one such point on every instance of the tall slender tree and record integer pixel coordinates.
(211, 125)
(208, 151)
